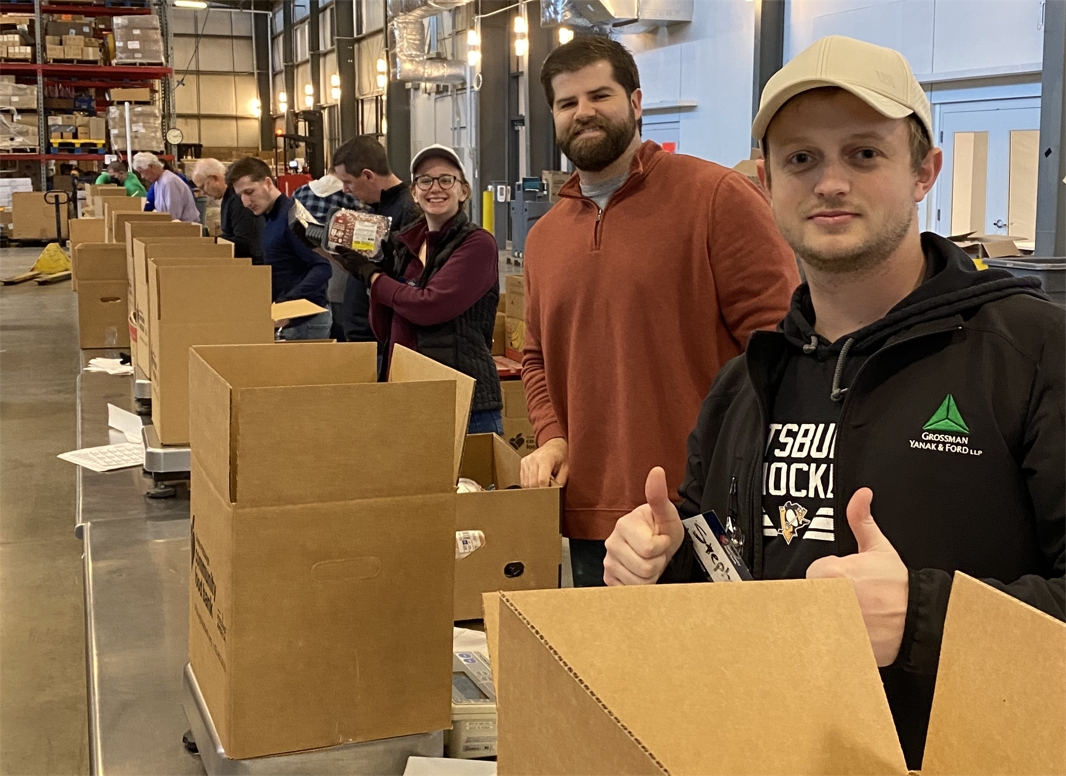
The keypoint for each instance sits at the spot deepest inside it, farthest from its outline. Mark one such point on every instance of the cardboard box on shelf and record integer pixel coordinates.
(140, 94)
(514, 339)
(997, 706)
(63, 29)
(100, 270)
(359, 566)
(35, 219)
(97, 129)
(516, 297)
(517, 429)
(217, 301)
(144, 249)
(499, 335)
(146, 230)
(522, 546)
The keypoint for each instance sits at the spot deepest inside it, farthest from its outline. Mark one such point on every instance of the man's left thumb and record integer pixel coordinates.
(861, 519)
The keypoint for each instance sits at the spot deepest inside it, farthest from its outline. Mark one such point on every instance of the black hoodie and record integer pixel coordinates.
(952, 408)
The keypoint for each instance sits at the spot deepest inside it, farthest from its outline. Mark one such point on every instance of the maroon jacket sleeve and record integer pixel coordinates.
(467, 276)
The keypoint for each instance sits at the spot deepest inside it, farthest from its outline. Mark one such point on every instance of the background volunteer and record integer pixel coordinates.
(117, 172)
(238, 224)
(171, 194)
(438, 288)
(297, 272)
(648, 275)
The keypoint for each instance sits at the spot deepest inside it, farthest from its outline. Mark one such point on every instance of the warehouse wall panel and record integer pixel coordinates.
(218, 95)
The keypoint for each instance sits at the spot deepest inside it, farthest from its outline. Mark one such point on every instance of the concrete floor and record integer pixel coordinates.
(43, 710)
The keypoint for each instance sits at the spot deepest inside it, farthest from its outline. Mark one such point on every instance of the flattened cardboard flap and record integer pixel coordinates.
(1000, 700)
(759, 677)
(410, 367)
(297, 308)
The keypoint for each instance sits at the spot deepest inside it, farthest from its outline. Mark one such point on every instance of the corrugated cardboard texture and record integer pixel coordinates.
(1000, 702)
(86, 230)
(522, 546)
(33, 218)
(102, 314)
(263, 443)
(280, 311)
(219, 301)
(408, 366)
(490, 603)
(145, 230)
(582, 737)
(336, 618)
(116, 222)
(516, 297)
(713, 678)
(144, 250)
(99, 261)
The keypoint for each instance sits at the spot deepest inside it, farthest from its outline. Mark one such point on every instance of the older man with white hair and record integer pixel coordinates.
(240, 225)
(171, 194)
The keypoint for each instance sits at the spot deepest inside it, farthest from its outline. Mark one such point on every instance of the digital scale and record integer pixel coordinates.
(387, 757)
(165, 463)
(473, 732)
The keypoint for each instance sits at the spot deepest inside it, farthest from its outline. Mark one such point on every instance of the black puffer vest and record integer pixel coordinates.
(463, 343)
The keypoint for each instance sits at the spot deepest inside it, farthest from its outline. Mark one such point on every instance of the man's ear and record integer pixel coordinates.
(369, 175)
(764, 176)
(636, 99)
(927, 173)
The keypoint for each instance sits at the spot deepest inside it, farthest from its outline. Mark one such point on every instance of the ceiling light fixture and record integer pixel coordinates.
(196, 5)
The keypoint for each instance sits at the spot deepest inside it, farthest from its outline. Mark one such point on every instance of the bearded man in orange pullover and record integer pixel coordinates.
(648, 275)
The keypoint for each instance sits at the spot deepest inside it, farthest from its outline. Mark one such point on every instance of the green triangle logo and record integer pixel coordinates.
(947, 418)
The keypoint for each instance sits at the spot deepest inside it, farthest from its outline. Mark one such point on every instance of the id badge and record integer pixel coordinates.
(714, 550)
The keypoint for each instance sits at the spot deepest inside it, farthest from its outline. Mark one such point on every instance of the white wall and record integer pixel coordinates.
(941, 38)
(708, 61)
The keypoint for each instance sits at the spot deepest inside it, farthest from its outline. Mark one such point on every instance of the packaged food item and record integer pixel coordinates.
(468, 541)
(351, 229)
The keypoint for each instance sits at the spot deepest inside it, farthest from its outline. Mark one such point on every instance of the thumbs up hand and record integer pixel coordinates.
(882, 582)
(643, 541)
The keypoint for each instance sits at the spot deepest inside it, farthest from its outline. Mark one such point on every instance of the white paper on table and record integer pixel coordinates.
(116, 437)
(112, 366)
(126, 422)
(107, 457)
(446, 766)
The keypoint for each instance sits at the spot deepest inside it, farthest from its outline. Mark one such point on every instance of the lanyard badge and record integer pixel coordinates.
(716, 551)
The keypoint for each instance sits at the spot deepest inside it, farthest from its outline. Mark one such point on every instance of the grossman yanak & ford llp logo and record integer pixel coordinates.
(946, 431)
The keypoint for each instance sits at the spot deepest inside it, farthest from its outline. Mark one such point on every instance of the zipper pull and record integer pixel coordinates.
(599, 215)
(732, 519)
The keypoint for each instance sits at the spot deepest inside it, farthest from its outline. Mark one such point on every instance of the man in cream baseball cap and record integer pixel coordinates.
(880, 77)
(894, 345)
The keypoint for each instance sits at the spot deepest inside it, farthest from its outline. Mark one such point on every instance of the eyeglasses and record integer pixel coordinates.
(425, 182)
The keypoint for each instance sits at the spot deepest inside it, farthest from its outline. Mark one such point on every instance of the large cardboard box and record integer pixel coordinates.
(514, 338)
(117, 210)
(94, 196)
(321, 607)
(146, 229)
(140, 94)
(517, 429)
(765, 677)
(522, 547)
(33, 218)
(213, 301)
(100, 271)
(144, 250)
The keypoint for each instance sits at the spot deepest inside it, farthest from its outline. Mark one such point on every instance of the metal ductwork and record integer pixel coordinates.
(407, 44)
(421, 9)
(625, 16)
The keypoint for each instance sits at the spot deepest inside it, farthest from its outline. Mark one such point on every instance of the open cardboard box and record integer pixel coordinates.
(198, 301)
(100, 269)
(323, 552)
(763, 677)
(522, 544)
(146, 229)
(113, 206)
(144, 249)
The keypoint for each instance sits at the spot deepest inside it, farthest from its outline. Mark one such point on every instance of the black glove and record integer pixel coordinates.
(357, 265)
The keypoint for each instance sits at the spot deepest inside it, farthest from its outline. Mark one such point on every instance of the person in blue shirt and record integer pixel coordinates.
(298, 271)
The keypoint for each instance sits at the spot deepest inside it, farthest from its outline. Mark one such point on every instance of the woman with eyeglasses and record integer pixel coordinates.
(438, 291)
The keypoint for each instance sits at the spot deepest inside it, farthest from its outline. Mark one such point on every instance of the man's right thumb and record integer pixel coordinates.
(658, 496)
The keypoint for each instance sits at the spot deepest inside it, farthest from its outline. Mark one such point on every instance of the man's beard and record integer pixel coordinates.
(866, 256)
(595, 155)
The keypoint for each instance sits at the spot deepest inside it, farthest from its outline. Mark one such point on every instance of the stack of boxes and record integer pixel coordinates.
(515, 312)
(70, 126)
(73, 48)
(18, 117)
(13, 48)
(138, 40)
(146, 127)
